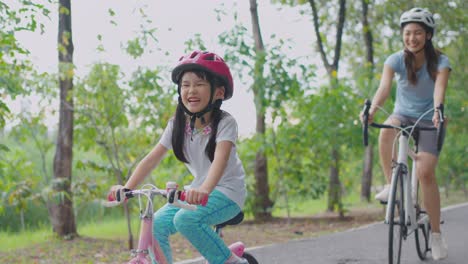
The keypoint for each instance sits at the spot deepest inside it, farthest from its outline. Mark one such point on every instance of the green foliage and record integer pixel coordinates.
(23, 172)
(119, 117)
(21, 16)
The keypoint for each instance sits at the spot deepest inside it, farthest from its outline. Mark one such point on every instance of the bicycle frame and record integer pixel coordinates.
(408, 209)
(409, 184)
(147, 244)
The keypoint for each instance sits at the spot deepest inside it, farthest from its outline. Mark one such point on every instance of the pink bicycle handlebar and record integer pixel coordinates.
(183, 196)
(172, 194)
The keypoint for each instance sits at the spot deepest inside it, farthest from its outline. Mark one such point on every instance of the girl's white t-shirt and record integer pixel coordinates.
(232, 183)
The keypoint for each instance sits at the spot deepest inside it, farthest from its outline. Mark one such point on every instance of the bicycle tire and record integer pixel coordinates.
(251, 259)
(397, 218)
(423, 232)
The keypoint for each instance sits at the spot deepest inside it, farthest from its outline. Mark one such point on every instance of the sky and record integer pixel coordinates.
(176, 21)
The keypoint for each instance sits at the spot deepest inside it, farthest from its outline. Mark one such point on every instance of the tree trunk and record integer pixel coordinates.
(366, 182)
(334, 193)
(61, 205)
(263, 203)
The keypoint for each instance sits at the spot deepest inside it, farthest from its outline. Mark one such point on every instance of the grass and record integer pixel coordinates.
(10, 241)
(101, 229)
(299, 207)
(107, 229)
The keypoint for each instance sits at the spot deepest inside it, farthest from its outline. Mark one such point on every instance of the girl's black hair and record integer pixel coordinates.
(180, 119)
(432, 57)
(178, 134)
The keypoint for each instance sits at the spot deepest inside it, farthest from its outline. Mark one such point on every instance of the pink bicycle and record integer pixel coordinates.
(148, 249)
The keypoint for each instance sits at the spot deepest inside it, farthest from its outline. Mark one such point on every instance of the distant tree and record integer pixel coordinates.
(334, 190)
(263, 202)
(366, 180)
(329, 19)
(61, 203)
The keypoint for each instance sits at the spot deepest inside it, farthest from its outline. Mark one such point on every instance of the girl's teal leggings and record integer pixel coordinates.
(196, 226)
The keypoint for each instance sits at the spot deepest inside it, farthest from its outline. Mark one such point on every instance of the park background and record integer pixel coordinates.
(300, 82)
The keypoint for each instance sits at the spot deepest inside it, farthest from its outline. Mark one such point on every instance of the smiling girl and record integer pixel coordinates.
(203, 137)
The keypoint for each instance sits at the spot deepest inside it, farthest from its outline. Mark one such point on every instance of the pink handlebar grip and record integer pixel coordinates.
(110, 197)
(203, 202)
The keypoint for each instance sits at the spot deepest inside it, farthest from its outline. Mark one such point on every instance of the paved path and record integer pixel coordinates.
(364, 245)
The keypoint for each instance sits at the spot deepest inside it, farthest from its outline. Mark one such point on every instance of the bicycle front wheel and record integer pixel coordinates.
(423, 232)
(397, 218)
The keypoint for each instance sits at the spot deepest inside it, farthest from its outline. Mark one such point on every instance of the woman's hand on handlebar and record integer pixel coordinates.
(436, 119)
(438, 115)
(370, 117)
(370, 113)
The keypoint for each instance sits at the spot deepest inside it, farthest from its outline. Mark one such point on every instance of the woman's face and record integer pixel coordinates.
(415, 37)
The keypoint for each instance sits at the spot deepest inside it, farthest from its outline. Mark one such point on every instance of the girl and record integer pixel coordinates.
(203, 137)
(422, 76)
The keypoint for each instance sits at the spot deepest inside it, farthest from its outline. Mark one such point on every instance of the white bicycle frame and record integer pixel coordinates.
(410, 185)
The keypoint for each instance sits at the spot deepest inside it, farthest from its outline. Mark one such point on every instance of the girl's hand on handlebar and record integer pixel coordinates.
(196, 196)
(112, 195)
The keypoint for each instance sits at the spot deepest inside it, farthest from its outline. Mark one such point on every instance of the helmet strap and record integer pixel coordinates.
(201, 114)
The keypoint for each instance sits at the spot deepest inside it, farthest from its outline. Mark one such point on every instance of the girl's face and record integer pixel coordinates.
(195, 92)
(415, 37)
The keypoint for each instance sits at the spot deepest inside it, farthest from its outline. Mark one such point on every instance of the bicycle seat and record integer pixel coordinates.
(233, 221)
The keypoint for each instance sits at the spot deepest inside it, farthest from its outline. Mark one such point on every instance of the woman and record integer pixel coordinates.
(422, 74)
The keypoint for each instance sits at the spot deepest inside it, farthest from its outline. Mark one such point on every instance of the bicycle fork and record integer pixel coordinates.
(409, 186)
(147, 244)
(402, 164)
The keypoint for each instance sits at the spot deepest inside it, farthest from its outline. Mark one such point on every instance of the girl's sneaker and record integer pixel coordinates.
(438, 246)
(236, 260)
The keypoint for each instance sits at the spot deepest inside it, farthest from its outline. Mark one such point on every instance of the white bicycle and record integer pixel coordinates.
(404, 214)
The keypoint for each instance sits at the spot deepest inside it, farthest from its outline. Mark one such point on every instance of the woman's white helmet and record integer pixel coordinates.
(418, 15)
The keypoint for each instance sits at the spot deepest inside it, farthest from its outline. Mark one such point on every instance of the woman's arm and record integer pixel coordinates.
(439, 91)
(384, 89)
(216, 171)
(382, 93)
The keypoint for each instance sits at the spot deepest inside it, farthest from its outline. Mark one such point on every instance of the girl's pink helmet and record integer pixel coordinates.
(207, 61)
